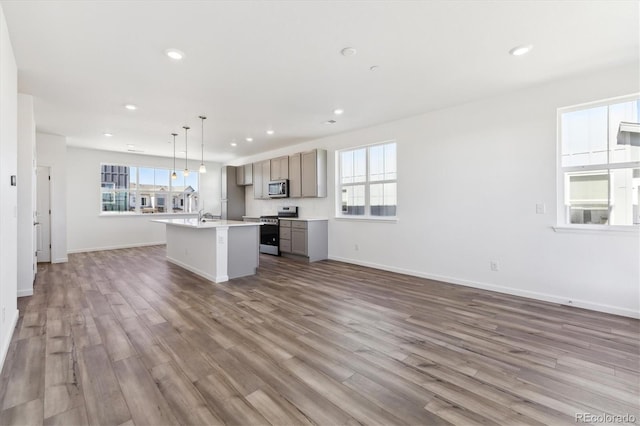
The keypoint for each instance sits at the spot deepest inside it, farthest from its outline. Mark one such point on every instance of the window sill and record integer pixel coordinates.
(393, 219)
(132, 214)
(598, 229)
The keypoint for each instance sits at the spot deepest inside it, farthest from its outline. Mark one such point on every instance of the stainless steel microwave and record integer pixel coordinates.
(279, 188)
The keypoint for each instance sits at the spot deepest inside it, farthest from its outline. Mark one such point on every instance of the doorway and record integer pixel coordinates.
(43, 214)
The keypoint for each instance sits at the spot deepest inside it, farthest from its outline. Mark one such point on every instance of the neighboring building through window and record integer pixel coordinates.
(368, 181)
(600, 166)
(147, 190)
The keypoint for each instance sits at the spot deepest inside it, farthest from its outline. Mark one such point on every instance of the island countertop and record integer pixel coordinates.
(193, 223)
(217, 250)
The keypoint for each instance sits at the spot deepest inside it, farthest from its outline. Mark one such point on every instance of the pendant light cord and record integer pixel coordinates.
(202, 118)
(174, 151)
(186, 148)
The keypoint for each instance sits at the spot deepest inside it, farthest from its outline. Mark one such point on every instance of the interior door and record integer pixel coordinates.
(43, 215)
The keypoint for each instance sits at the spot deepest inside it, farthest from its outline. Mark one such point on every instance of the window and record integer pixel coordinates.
(368, 181)
(147, 190)
(600, 168)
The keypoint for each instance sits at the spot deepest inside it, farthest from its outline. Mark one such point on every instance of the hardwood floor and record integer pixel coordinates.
(125, 338)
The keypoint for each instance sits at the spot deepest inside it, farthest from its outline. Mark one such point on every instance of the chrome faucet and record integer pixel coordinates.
(201, 215)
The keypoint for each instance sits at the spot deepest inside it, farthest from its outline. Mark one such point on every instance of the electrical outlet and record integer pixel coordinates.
(541, 208)
(494, 266)
(356, 247)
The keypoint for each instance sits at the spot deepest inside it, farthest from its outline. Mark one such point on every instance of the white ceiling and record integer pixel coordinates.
(250, 66)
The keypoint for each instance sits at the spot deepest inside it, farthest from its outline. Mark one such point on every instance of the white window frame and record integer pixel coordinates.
(137, 193)
(367, 206)
(562, 224)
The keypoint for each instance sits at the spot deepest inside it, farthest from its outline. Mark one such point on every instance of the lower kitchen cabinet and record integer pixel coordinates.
(304, 239)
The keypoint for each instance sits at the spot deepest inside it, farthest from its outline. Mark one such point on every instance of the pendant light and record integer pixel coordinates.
(174, 175)
(186, 145)
(203, 168)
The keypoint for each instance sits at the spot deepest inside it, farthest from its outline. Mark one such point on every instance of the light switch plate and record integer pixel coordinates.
(541, 208)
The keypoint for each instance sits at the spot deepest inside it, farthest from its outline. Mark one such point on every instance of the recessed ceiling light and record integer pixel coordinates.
(174, 54)
(330, 122)
(249, 139)
(233, 144)
(130, 146)
(374, 68)
(270, 132)
(348, 51)
(131, 107)
(182, 152)
(521, 50)
(338, 111)
(108, 134)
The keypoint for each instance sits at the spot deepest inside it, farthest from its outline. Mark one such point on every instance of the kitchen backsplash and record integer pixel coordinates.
(309, 207)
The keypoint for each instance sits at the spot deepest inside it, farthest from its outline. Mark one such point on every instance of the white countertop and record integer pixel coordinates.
(304, 219)
(300, 219)
(193, 223)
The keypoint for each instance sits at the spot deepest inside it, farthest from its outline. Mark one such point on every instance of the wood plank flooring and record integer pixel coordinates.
(125, 338)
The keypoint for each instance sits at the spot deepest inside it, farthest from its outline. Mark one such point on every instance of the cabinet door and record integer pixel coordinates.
(275, 169)
(299, 241)
(248, 174)
(284, 167)
(266, 178)
(257, 181)
(240, 175)
(280, 168)
(285, 246)
(309, 186)
(295, 177)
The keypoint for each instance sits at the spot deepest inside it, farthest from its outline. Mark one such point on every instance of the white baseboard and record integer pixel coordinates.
(26, 292)
(552, 298)
(219, 279)
(60, 260)
(120, 246)
(7, 340)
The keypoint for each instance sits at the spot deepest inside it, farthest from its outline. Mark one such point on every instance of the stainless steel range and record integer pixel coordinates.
(270, 230)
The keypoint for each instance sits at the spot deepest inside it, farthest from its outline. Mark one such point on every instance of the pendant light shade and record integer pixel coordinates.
(186, 146)
(203, 168)
(174, 175)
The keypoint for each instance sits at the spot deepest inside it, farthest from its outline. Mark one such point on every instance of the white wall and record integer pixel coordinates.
(8, 194)
(26, 194)
(469, 180)
(89, 231)
(51, 151)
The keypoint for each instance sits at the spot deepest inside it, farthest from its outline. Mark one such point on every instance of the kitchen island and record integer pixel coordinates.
(216, 250)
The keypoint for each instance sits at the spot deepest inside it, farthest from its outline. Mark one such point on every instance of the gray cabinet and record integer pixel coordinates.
(299, 238)
(261, 178)
(313, 168)
(302, 238)
(295, 176)
(244, 175)
(285, 236)
(280, 168)
(306, 171)
(232, 195)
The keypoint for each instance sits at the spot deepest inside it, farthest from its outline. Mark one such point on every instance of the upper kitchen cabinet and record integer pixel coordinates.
(280, 168)
(244, 174)
(295, 176)
(261, 178)
(313, 171)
